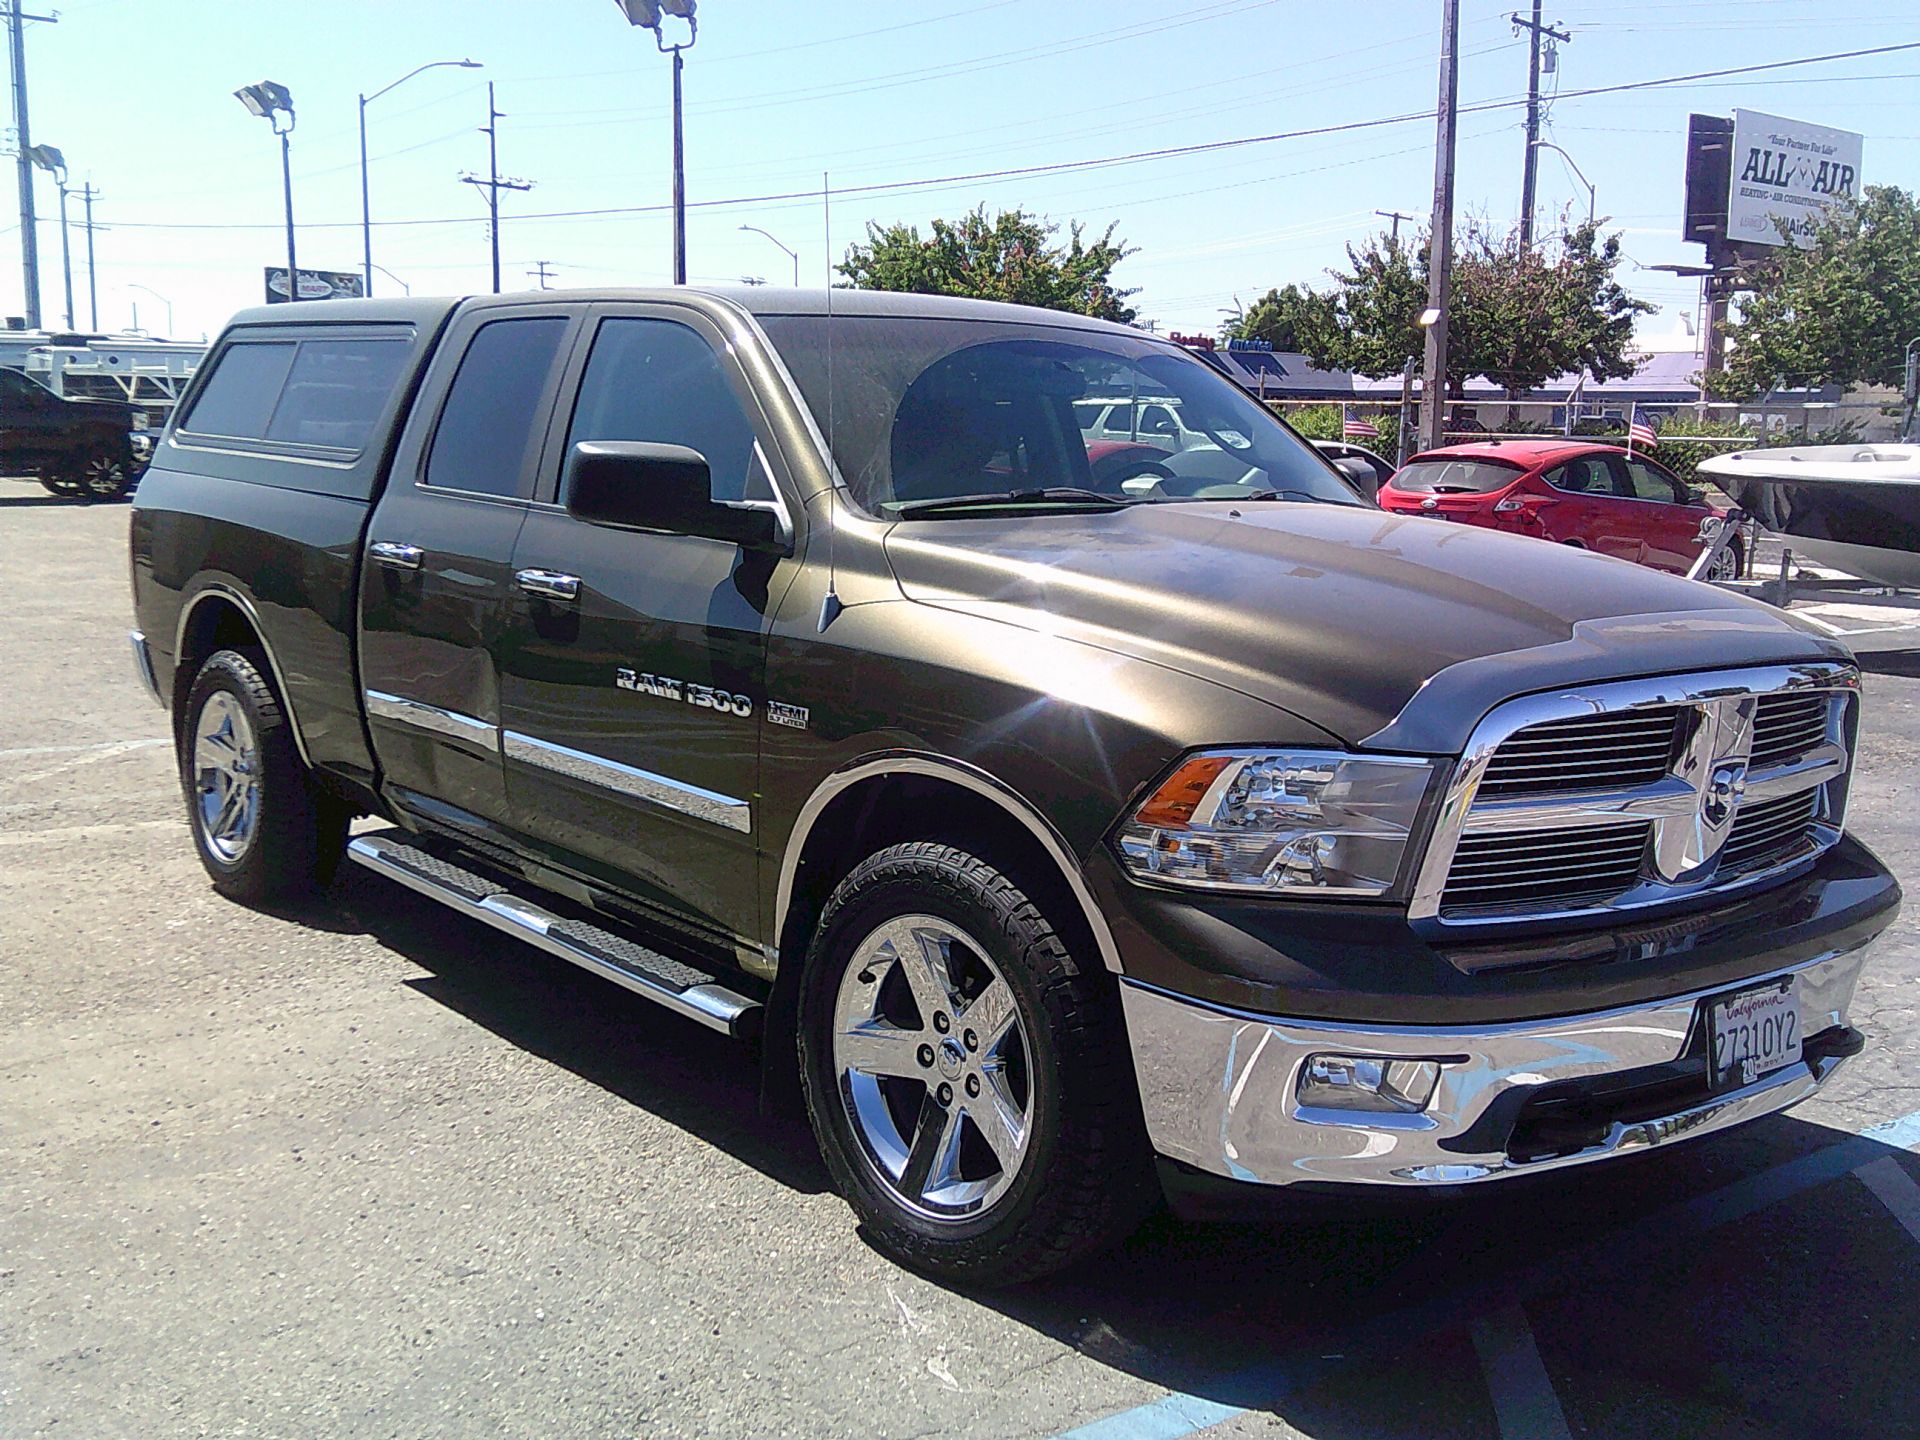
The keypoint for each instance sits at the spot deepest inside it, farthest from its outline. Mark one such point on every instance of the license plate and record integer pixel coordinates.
(1753, 1033)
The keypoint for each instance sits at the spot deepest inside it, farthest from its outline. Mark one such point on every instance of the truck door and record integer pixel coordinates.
(434, 583)
(30, 428)
(631, 669)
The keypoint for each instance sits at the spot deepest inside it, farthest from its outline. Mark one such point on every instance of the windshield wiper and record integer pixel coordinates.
(1283, 495)
(1044, 495)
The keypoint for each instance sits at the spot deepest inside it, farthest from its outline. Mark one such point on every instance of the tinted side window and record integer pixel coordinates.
(487, 424)
(238, 397)
(1582, 477)
(335, 390)
(658, 381)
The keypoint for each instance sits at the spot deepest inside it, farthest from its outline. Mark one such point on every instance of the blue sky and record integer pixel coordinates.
(138, 93)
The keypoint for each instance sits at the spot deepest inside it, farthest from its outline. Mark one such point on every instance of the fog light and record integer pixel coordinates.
(1354, 1082)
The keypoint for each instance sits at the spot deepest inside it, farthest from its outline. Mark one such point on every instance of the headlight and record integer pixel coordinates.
(1292, 822)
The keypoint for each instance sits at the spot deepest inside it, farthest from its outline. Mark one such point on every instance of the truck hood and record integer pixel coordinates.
(1343, 616)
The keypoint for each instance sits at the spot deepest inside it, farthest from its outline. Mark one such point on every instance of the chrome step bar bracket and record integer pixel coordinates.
(680, 988)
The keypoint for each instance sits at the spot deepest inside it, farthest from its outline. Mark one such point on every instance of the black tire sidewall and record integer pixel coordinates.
(909, 879)
(281, 859)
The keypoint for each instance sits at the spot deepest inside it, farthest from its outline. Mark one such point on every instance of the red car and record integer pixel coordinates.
(1594, 497)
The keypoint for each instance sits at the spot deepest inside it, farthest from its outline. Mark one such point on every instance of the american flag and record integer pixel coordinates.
(1353, 429)
(1641, 432)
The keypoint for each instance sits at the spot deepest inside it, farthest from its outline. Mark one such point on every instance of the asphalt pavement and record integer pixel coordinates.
(367, 1169)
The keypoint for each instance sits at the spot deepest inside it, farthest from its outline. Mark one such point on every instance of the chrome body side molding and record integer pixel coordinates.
(969, 777)
(446, 724)
(726, 811)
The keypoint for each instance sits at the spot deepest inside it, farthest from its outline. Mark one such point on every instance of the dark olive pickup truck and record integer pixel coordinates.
(1071, 822)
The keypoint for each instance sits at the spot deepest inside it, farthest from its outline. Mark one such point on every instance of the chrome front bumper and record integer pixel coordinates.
(1221, 1088)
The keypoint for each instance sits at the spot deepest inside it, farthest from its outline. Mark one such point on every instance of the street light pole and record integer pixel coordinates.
(647, 15)
(366, 213)
(54, 163)
(792, 255)
(161, 298)
(1549, 145)
(271, 101)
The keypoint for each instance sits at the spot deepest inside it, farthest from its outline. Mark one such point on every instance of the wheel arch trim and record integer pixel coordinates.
(968, 777)
(215, 590)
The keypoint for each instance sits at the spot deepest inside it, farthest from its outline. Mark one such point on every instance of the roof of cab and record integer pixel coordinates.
(752, 299)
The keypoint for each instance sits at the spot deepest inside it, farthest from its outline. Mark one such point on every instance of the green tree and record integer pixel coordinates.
(1292, 318)
(1839, 313)
(1518, 316)
(1011, 257)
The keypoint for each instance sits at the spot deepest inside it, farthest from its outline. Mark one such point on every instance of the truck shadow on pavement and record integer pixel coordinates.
(702, 1082)
(1750, 1284)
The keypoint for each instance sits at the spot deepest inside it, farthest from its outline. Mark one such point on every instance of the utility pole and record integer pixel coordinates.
(494, 183)
(542, 269)
(88, 195)
(23, 141)
(1396, 216)
(1433, 385)
(1530, 166)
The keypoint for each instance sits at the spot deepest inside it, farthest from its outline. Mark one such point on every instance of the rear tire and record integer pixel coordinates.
(262, 831)
(1022, 1037)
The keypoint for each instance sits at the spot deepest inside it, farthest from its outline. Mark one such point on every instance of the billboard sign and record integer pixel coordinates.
(315, 284)
(1787, 171)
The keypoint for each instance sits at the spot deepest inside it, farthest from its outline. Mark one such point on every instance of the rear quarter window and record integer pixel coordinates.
(236, 400)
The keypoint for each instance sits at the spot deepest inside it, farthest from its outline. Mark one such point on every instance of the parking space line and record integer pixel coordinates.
(24, 751)
(1524, 1402)
(1895, 1190)
(1264, 1385)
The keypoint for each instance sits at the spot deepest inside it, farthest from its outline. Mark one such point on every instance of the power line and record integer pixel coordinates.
(1067, 166)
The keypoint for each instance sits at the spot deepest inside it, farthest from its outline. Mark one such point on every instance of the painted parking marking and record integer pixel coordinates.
(1524, 1402)
(22, 752)
(1895, 1190)
(1262, 1386)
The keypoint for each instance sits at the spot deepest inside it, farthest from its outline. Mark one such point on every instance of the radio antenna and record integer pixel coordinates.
(830, 602)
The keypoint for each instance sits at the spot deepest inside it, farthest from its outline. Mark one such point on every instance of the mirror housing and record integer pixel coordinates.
(1360, 473)
(637, 485)
(1696, 496)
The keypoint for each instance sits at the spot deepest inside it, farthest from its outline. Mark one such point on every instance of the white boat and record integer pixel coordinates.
(1850, 507)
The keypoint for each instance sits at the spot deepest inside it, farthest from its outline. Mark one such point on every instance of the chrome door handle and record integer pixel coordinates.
(395, 554)
(548, 584)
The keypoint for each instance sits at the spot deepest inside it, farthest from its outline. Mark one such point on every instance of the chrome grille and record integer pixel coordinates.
(1787, 726)
(1586, 752)
(1508, 870)
(1637, 793)
(1771, 831)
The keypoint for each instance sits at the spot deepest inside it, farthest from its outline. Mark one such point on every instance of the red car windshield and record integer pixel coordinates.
(1457, 477)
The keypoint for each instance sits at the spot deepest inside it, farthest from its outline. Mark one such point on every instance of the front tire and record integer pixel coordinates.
(262, 831)
(967, 1077)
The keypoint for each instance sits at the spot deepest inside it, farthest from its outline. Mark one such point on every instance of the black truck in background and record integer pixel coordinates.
(1067, 835)
(79, 447)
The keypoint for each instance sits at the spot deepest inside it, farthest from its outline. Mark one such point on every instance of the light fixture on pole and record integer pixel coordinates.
(1549, 145)
(270, 100)
(647, 15)
(366, 215)
(791, 254)
(54, 163)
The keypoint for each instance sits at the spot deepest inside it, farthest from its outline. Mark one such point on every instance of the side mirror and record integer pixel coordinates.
(633, 485)
(1360, 473)
(1696, 496)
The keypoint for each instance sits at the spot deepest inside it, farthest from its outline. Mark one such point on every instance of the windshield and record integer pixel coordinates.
(1456, 476)
(921, 412)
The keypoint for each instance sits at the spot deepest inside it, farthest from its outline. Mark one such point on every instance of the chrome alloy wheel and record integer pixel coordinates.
(1725, 566)
(934, 1067)
(226, 777)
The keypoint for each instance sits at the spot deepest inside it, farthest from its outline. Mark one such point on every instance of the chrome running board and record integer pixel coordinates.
(667, 982)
